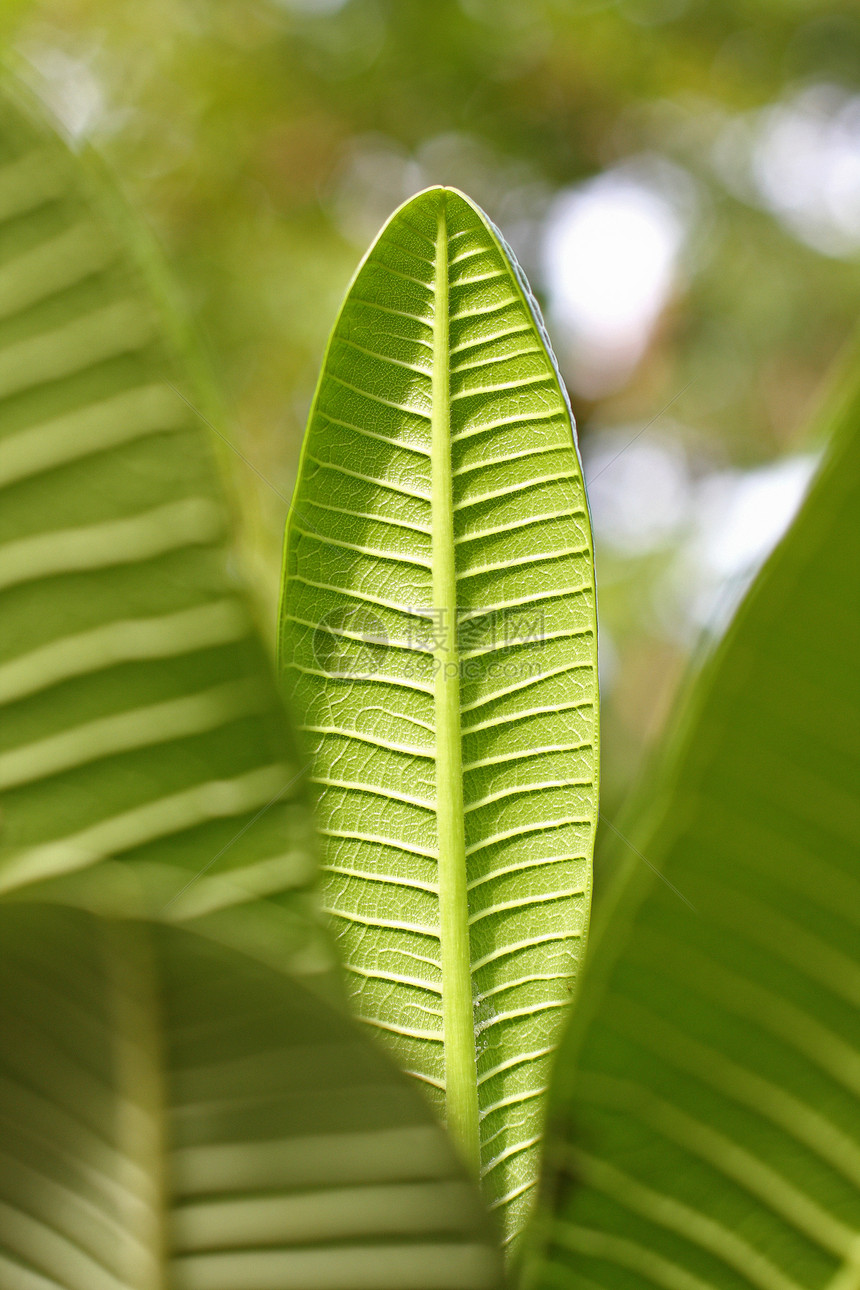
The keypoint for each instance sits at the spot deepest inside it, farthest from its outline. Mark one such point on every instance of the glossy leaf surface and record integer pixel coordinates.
(175, 1116)
(140, 732)
(707, 1101)
(438, 642)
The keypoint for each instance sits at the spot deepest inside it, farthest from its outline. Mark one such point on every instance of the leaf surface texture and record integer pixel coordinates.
(438, 642)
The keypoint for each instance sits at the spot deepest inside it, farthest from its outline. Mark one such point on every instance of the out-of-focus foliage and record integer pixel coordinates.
(175, 1114)
(704, 1124)
(140, 729)
(266, 140)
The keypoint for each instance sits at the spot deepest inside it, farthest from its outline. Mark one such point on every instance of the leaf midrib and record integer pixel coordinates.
(141, 1125)
(461, 1085)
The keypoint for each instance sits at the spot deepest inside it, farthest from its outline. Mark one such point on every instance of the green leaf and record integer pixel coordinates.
(438, 643)
(140, 730)
(707, 1100)
(175, 1116)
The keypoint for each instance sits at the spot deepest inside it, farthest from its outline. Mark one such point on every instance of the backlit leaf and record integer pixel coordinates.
(438, 643)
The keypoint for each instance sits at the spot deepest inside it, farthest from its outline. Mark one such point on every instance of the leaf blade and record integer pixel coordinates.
(707, 1092)
(140, 729)
(438, 601)
(175, 1114)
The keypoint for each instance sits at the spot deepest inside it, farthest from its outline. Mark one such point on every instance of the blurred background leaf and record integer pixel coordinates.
(681, 182)
(145, 763)
(707, 1092)
(175, 1114)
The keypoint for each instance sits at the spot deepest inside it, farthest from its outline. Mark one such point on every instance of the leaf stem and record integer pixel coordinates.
(461, 1081)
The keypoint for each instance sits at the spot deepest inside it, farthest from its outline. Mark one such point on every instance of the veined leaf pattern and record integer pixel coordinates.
(176, 1116)
(438, 643)
(140, 726)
